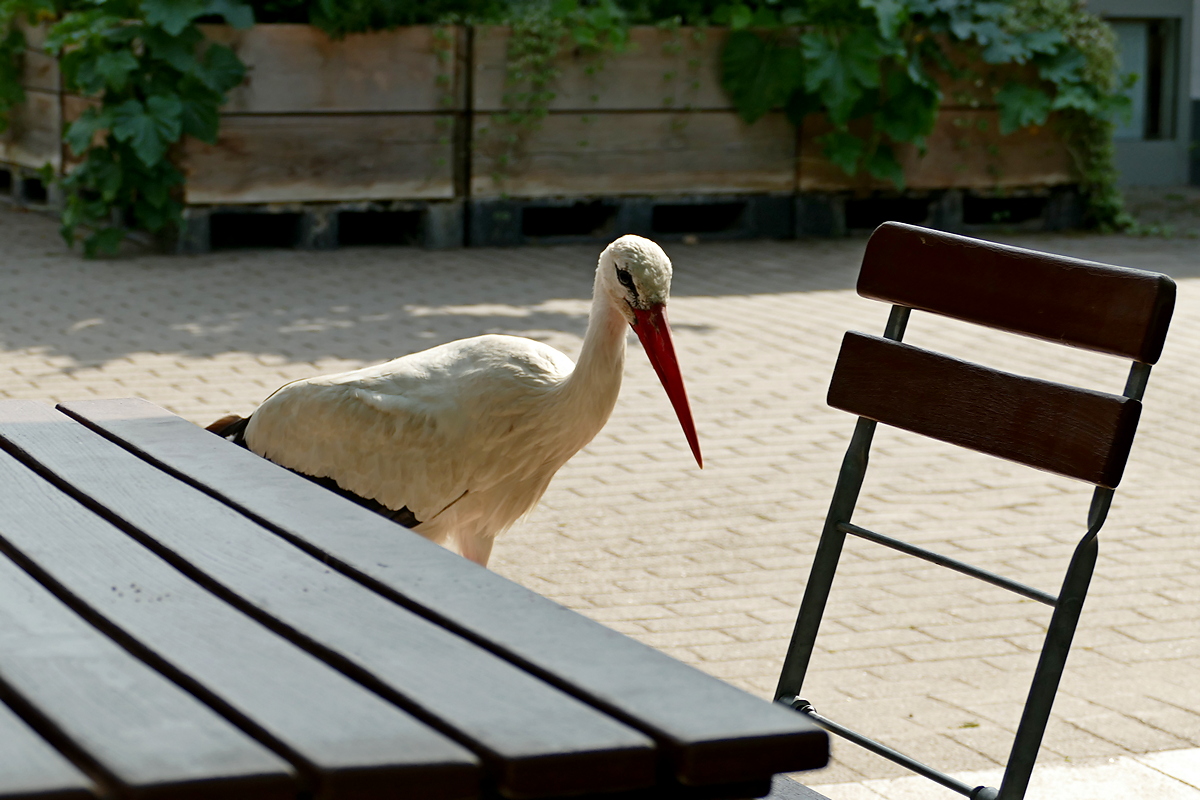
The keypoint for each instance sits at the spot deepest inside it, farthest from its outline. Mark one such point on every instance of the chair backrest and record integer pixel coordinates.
(1063, 429)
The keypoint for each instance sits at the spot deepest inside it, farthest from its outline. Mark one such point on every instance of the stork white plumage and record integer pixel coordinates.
(461, 440)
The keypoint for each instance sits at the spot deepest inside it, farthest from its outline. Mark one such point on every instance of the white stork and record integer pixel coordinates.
(459, 441)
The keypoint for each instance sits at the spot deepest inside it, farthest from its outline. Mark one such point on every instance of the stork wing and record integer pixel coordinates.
(419, 431)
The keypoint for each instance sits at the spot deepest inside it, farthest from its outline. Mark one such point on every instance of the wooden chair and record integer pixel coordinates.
(1066, 430)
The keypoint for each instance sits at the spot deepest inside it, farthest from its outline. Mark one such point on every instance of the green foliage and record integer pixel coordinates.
(867, 65)
(540, 33)
(154, 79)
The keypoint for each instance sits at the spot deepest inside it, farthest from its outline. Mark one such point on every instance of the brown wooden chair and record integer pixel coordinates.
(1066, 430)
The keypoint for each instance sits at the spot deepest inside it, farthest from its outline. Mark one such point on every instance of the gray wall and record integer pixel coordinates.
(1163, 162)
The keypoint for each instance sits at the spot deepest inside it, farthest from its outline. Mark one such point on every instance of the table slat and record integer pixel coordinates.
(536, 740)
(30, 769)
(711, 732)
(146, 735)
(340, 736)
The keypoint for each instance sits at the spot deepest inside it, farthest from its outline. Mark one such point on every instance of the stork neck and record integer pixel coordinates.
(595, 382)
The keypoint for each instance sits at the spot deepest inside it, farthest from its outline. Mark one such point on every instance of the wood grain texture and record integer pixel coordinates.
(537, 741)
(322, 158)
(662, 69)
(1115, 310)
(30, 769)
(964, 151)
(299, 69)
(33, 137)
(39, 71)
(709, 731)
(1074, 432)
(622, 153)
(344, 739)
(150, 738)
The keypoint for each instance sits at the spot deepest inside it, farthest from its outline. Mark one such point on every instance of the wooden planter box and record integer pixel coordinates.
(387, 118)
(34, 135)
(373, 116)
(650, 121)
(964, 151)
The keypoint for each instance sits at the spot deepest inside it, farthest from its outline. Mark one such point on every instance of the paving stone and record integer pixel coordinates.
(710, 565)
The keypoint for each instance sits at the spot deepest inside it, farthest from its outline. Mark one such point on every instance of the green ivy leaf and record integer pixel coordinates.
(80, 133)
(200, 117)
(843, 149)
(890, 15)
(883, 165)
(758, 73)
(239, 15)
(223, 70)
(149, 129)
(178, 51)
(1063, 67)
(1079, 97)
(106, 241)
(173, 15)
(740, 17)
(1021, 106)
(841, 70)
(909, 110)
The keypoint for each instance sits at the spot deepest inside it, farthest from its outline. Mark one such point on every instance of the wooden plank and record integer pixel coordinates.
(39, 71)
(299, 69)
(710, 732)
(622, 153)
(964, 151)
(662, 69)
(536, 740)
(1073, 432)
(344, 740)
(33, 137)
(322, 158)
(144, 734)
(1114, 310)
(33, 770)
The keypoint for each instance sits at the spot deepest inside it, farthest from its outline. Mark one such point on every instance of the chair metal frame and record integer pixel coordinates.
(1067, 605)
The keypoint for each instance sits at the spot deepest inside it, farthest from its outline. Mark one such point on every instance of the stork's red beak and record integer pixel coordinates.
(652, 328)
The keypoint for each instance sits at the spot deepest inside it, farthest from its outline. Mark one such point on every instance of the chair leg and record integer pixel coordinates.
(1054, 654)
(829, 551)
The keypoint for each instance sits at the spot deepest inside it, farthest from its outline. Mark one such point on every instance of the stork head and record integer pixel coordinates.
(635, 274)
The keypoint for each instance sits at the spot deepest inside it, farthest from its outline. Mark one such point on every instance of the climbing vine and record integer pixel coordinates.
(538, 36)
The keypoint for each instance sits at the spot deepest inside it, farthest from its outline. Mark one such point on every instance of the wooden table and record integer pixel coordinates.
(180, 618)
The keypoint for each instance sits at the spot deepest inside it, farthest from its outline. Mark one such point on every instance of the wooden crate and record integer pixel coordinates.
(34, 135)
(373, 116)
(965, 150)
(650, 121)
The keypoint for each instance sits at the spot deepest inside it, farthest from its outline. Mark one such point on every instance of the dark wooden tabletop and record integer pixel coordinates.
(180, 618)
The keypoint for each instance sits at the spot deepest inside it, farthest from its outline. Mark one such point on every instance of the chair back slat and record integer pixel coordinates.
(1074, 432)
(1122, 312)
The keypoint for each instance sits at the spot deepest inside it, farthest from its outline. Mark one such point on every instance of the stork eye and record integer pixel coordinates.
(626, 280)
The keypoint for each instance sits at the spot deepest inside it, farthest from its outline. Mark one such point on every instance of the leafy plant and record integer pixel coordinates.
(153, 78)
(869, 66)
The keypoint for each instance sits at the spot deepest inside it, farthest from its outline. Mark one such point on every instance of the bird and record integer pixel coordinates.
(459, 441)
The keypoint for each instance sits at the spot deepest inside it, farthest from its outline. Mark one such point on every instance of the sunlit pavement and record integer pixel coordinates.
(709, 566)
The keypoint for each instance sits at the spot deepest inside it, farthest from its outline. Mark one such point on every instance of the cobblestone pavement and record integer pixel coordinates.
(709, 566)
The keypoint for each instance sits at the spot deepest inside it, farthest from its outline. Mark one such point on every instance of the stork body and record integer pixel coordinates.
(464, 438)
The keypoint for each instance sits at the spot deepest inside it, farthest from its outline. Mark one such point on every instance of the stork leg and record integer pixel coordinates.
(475, 547)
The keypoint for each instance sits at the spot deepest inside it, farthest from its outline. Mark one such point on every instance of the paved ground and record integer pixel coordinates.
(709, 566)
